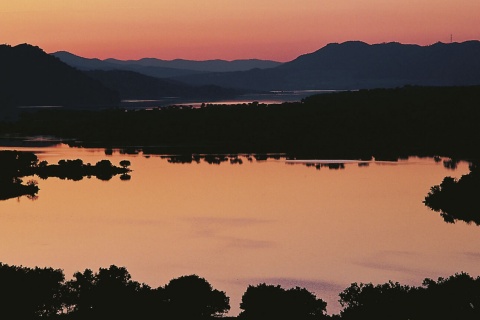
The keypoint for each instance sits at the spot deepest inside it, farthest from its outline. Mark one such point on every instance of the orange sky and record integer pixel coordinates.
(229, 29)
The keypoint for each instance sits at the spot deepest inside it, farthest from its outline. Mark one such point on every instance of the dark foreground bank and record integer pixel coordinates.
(110, 293)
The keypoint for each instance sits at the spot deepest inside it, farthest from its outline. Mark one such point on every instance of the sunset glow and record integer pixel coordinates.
(219, 29)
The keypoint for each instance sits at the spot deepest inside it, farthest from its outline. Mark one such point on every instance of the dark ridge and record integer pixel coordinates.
(30, 77)
(133, 85)
(357, 65)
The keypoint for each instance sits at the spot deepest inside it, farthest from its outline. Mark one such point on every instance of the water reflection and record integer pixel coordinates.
(232, 223)
(19, 164)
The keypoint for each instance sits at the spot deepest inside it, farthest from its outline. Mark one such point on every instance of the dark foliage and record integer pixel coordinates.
(457, 200)
(110, 293)
(16, 165)
(273, 302)
(192, 297)
(456, 297)
(386, 301)
(27, 293)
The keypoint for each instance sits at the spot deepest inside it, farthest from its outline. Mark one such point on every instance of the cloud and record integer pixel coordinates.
(313, 285)
(396, 261)
(472, 255)
(227, 222)
(248, 243)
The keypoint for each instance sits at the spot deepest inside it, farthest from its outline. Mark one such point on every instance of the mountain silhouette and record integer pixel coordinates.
(358, 65)
(133, 85)
(86, 64)
(163, 68)
(31, 77)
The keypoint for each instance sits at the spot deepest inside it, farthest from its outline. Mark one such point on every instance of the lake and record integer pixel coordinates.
(271, 97)
(273, 221)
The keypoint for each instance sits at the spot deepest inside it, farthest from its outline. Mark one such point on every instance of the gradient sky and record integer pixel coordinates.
(229, 29)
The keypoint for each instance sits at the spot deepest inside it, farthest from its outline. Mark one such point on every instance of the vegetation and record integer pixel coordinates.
(110, 293)
(457, 199)
(455, 297)
(17, 164)
(380, 123)
(273, 302)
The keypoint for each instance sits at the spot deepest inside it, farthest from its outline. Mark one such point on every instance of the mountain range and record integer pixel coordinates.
(32, 77)
(338, 66)
(163, 68)
(358, 65)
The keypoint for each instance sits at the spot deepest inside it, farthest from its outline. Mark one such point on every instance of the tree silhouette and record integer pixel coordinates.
(273, 302)
(366, 301)
(125, 163)
(192, 297)
(109, 293)
(30, 293)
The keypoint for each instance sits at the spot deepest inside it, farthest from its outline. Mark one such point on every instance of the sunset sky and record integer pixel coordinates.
(229, 29)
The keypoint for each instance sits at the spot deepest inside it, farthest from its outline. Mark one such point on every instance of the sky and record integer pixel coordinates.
(278, 30)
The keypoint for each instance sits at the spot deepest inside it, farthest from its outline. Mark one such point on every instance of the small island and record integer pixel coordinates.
(457, 199)
(18, 164)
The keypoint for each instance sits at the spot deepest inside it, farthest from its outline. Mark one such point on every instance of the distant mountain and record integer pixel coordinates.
(133, 85)
(163, 68)
(86, 64)
(357, 65)
(31, 77)
(204, 66)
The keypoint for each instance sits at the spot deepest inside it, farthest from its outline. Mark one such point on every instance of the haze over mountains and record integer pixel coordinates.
(357, 65)
(163, 68)
(31, 77)
(342, 66)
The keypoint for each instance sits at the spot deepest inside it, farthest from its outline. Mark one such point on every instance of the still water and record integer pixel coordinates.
(269, 221)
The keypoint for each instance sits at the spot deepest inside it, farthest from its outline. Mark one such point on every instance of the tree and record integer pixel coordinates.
(125, 163)
(30, 293)
(109, 293)
(387, 301)
(273, 302)
(455, 297)
(192, 297)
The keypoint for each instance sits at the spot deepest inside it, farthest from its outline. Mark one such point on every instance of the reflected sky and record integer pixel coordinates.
(239, 225)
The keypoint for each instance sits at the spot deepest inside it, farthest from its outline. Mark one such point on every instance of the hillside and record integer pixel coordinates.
(358, 65)
(133, 85)
(31, 77)
(164, 68)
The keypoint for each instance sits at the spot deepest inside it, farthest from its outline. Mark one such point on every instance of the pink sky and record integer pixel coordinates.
(230, 29)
